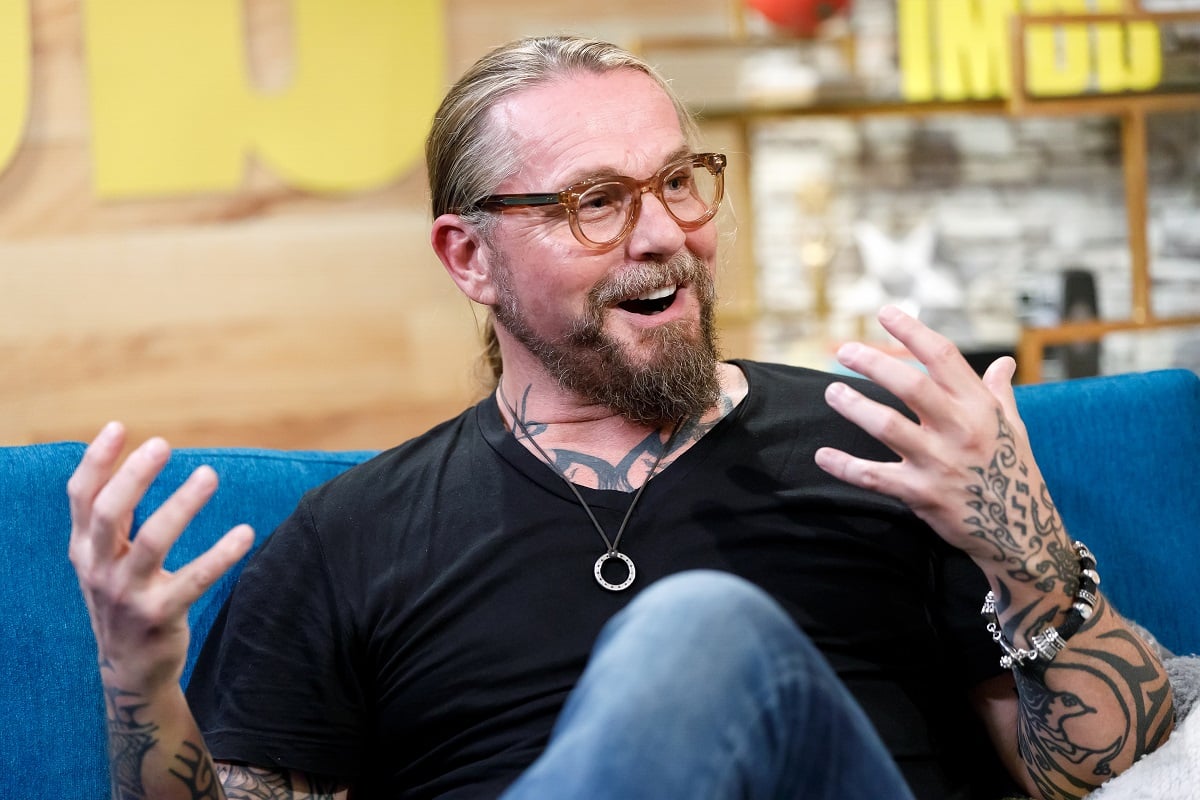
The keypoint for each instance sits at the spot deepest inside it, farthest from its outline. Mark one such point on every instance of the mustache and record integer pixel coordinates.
(682, 268)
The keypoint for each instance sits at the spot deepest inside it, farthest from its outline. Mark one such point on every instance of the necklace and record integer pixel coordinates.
(611, 552)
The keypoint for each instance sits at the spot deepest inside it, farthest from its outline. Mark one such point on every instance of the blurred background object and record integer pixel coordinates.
(802, 18)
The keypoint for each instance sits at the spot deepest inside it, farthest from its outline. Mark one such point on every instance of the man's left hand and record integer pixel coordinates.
(965, 465)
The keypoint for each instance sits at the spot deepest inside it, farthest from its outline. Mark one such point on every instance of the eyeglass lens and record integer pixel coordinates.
(688, 191)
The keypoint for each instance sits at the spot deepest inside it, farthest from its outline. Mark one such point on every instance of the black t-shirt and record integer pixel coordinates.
(416, 625)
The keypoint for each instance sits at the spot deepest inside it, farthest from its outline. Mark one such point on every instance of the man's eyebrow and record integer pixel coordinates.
(608, 172)
(680, 152)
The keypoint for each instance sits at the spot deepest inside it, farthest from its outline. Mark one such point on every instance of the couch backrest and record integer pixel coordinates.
(1119, 454)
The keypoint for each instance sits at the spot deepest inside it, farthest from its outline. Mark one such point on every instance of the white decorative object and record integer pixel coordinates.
(900, 271)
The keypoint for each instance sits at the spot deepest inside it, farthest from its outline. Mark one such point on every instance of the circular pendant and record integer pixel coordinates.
(614, 587)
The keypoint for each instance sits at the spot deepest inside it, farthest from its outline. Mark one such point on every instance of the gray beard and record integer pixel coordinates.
(677, 382)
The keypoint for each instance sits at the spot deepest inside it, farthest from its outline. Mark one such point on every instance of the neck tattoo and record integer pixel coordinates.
(611, 552)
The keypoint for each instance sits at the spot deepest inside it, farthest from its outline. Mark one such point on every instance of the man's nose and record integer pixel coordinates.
(655, 232)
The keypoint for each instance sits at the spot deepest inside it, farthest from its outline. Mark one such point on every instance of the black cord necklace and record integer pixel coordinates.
(612, 551)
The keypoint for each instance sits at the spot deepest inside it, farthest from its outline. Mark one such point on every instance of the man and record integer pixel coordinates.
(417, 627)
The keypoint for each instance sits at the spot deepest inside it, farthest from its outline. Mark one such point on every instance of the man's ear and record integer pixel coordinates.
(465, 256)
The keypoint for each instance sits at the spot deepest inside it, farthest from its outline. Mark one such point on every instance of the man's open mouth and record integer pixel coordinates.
(652, 302)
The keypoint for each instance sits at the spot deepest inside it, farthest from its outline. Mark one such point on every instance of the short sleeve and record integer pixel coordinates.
(276, 684)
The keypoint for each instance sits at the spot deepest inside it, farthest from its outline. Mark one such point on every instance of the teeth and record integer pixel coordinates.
(658, 294)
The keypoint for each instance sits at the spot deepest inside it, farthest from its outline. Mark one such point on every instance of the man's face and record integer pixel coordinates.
(629, 328)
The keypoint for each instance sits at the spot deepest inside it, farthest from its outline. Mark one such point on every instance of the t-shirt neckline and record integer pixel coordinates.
(502, 442)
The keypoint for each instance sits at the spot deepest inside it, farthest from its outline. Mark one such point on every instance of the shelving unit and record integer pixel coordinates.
(1131, 109)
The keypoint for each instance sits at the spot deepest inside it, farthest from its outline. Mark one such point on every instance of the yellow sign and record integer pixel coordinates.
(960, 50)
(172, 111)
(14, 75)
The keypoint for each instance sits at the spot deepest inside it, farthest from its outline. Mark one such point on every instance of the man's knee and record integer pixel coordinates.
(705, 591)
(717, 609)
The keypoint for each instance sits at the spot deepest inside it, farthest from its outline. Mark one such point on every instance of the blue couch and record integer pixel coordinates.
(1120, 455)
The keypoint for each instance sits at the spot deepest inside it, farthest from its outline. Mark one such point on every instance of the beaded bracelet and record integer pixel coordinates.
(1051, 641)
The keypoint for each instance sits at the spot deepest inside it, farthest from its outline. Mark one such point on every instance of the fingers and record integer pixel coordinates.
(878, 476)
(138, 610)
(940, 356)
(103, 502)
(195, 578)
(947, 381)
(998, 380)
(901, 379)
(942, 364)
(898, 479)
(94, 470)
(162, 528)
(955, 430)
(111, 514)
(886, 424)
(999, 374)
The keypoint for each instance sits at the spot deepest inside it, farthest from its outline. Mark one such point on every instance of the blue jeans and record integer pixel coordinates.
(704, 688)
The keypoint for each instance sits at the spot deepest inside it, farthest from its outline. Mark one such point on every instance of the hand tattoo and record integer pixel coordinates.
(1021, 525)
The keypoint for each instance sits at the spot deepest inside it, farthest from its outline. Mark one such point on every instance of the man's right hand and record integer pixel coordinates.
(139, 610)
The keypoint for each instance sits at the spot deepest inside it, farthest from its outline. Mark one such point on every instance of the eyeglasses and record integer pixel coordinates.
(603, 211)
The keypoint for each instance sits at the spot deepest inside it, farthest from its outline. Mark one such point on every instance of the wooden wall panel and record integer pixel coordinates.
(265, 316)
(240, 331)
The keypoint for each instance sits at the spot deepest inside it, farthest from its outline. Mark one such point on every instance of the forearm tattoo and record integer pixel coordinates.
(196, 773)
(1053, 729)
(254, 783)
(131, 738)
(1064, 751)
